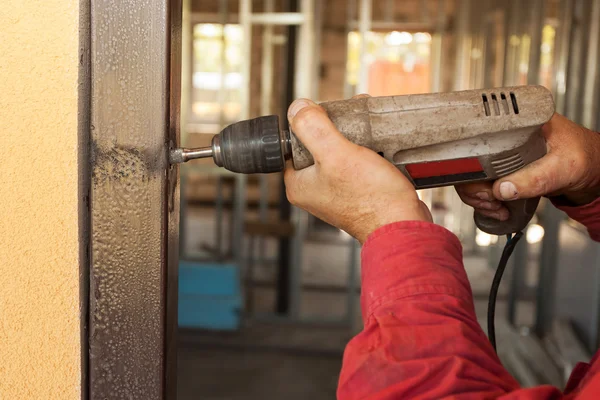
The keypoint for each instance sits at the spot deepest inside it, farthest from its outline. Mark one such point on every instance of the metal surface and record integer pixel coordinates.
(219, 217)
(519, 266)
(304, 83)
(282, 303)
(319, 20)
(575, 296)
(187, 68)
(568, 348)
(266, 79)
(305, 56)
(213, 18)
(278, 18)
(561, 58)
(463, 44)
(134, 198)
(246, 56)
(263, 209)
(237, 243)
(170, 272)
(183, 225)
(536, 25)
(84, 179)
(365, 17)
(390, 10)
(239, 213)
(395, 26)
(546, 290)
(350, 17)
(477, 50)
(222, 94)
(437, 52)
(513, 18)
(495, 48)
(300, 220)
(591, 90)
(352, 288)
(182, 155)
(576, 68)
(266, 97)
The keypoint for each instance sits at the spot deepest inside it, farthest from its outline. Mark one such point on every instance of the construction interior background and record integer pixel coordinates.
(269, 295)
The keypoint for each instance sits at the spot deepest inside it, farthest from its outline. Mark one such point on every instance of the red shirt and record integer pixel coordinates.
(421, 339)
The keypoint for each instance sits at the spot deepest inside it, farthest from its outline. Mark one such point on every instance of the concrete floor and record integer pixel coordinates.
(277, 360)
(217, 374)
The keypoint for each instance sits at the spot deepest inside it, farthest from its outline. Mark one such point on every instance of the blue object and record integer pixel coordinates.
(209, 296)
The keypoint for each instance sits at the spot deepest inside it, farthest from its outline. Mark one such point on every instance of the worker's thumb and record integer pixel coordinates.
(312, 126)
(539, 178)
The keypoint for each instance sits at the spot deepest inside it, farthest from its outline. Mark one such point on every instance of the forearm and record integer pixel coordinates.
(421, 336)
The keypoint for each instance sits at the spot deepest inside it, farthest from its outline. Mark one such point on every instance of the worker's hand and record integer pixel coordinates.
(571, 169)
(349, 186)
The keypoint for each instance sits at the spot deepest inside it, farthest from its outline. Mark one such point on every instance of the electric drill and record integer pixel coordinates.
(435, 140)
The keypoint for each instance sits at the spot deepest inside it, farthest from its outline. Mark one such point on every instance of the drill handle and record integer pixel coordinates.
(521, 212)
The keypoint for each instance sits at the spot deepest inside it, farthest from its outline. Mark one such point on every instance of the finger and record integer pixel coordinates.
(544, 176)
(296, 183)
(553, 173)
(479, 190)
(361, 96)
(311, 124)
(501, 215)
(290, 178)
(493, 205)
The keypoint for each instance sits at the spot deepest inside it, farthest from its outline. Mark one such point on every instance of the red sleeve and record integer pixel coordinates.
(588, 215)
(421, 338)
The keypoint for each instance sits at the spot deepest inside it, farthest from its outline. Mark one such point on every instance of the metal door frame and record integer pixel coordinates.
(134, 198)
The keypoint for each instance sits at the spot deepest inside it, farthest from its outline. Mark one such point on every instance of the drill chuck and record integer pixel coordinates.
(254, 146)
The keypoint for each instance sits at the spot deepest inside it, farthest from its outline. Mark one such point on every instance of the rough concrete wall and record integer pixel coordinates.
(39, 283)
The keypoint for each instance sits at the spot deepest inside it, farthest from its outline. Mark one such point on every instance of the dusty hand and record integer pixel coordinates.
(349, 186)
(570, 169)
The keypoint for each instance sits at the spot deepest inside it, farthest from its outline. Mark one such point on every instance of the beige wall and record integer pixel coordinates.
(39, 283)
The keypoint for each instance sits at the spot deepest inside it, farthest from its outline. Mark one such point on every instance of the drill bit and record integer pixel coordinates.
(184, 155)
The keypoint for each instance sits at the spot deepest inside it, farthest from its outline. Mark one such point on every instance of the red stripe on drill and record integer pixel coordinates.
(442, 168)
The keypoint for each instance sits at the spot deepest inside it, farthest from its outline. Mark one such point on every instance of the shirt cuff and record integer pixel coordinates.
(411, 258)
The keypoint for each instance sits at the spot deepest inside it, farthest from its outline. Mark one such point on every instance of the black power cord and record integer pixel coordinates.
(511, 243)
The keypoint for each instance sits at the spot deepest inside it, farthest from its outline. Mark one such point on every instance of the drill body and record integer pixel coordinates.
(435, 140)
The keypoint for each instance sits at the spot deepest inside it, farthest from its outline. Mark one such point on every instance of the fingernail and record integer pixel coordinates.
(483, 196)
(297, 106)
(508, 191)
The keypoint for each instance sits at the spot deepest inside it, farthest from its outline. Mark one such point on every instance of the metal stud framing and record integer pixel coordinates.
(134, 198)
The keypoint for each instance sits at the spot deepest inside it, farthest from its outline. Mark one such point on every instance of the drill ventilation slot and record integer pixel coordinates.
(497, 108)
(507, 165)
(514, 102)
(495, 103)
(486, 105)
